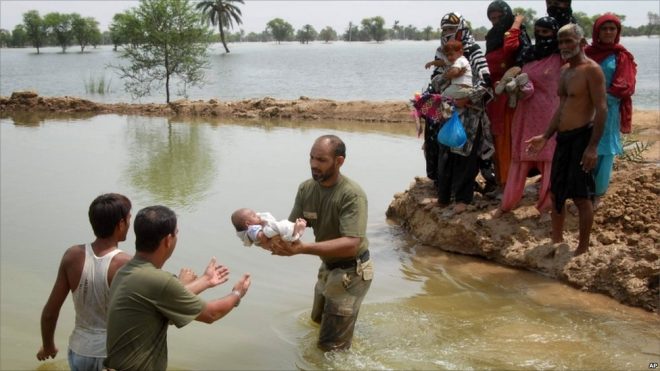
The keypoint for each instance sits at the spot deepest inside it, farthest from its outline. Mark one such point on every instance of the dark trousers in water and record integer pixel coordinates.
(431, 147)
(456, 173)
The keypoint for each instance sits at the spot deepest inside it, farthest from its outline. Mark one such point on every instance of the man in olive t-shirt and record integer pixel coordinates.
(144, 299)
(335, 207)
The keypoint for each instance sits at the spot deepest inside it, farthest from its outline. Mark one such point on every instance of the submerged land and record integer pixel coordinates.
(623, 260)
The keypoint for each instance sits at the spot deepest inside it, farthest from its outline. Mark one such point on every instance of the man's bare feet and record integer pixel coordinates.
(187, 275)
(497, 213)
(580, 251)
(597, 203)
(459, 207)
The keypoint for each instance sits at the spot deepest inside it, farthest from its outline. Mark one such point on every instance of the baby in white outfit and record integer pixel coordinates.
(258, 228)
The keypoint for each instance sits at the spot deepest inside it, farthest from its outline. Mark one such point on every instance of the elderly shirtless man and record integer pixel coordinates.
(578, 122)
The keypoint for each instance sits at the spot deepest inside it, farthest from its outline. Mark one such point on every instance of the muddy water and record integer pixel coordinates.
(426, 309)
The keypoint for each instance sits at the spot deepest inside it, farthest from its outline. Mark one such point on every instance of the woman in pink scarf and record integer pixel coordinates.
(535, 109)
(620, 73)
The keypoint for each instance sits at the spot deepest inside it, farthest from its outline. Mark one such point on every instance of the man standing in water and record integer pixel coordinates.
(578, 123)
(87, 271)
(336, 209)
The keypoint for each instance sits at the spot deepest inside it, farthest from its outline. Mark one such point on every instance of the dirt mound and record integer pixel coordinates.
(623, 260)
(262, 108)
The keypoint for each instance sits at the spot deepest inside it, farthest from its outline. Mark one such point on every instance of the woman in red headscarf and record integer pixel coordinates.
(620, 74)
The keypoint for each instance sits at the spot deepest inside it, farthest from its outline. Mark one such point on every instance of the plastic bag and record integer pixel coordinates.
(452, 133)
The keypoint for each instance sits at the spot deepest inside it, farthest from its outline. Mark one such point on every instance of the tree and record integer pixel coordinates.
(125, 29)
(348, 36)
(172, 45)
(530, 18)
(428, 33)
(328, 34)
(375, 28)
(60, 26)
(280, 29)
(654, 23)
(396, 31)
(223, 13)
(5, 38)
(306, 34)
(19, 36)
(36, 29)
(85, 30)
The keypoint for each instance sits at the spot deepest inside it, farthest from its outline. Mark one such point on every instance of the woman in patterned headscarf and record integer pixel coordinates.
(458, 167)
(536, 107)
(504, 43)
(620, 71)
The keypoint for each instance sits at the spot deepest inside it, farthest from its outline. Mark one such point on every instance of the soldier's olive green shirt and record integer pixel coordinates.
(338, 211)
(144, 300)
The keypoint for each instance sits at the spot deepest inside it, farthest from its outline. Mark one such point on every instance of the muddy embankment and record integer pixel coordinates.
(623, 261)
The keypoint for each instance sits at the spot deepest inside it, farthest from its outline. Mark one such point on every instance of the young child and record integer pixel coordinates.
(456, 81)
(258, 228)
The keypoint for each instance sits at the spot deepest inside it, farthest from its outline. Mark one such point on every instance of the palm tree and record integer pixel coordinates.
(223, 13)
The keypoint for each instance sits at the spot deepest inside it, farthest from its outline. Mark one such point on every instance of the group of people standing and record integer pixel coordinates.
(523, 93)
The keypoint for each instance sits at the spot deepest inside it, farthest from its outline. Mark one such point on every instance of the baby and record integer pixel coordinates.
(258, 228)
(456, 81)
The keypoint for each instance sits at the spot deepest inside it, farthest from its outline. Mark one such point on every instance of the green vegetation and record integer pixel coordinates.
(306, 34)
(633, 150)
(63, 29)
(280, 29)
(170, 49)
(97, 85)
(223, 13)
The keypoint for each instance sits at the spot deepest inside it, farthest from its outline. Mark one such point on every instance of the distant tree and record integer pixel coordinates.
(19, 36)
(61, 28)
(530, 18)
(85, 30)
(479, 33)
(306, 34)
(5, 38)
(653, 27)
(280, 29)
(428, 33)
(173, 45)
(37, 30)
(348, 36)
(375, 28)
(328, 34)
(222, 13)
(125, 29)
(410, 32)
(395, 33)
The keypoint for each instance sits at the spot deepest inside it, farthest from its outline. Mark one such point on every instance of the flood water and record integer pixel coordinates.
(426, 309)
(392, 70)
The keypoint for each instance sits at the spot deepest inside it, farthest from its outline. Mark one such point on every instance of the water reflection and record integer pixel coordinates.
(37, 118)
(172, 162)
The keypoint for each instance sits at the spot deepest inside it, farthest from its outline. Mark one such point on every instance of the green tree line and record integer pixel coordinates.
(64, 30)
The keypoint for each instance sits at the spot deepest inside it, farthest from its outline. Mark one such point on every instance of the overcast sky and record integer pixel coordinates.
(337, 14)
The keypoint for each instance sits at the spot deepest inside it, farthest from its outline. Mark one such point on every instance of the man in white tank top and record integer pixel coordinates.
(87, 271)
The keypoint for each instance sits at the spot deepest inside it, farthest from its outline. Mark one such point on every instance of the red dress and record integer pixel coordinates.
(499, 113)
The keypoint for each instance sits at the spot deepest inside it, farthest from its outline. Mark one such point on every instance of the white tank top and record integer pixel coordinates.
(90, 300)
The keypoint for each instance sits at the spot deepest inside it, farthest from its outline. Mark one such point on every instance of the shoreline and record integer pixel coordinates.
(624, 258)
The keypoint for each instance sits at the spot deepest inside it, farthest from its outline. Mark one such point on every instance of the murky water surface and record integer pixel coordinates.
(426, 309)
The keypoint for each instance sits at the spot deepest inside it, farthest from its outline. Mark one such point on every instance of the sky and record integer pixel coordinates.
(336, 14)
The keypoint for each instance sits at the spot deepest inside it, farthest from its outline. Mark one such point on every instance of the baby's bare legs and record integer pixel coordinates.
(299, 227)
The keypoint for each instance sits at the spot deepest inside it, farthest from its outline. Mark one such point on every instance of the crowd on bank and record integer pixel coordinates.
(524, 87)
